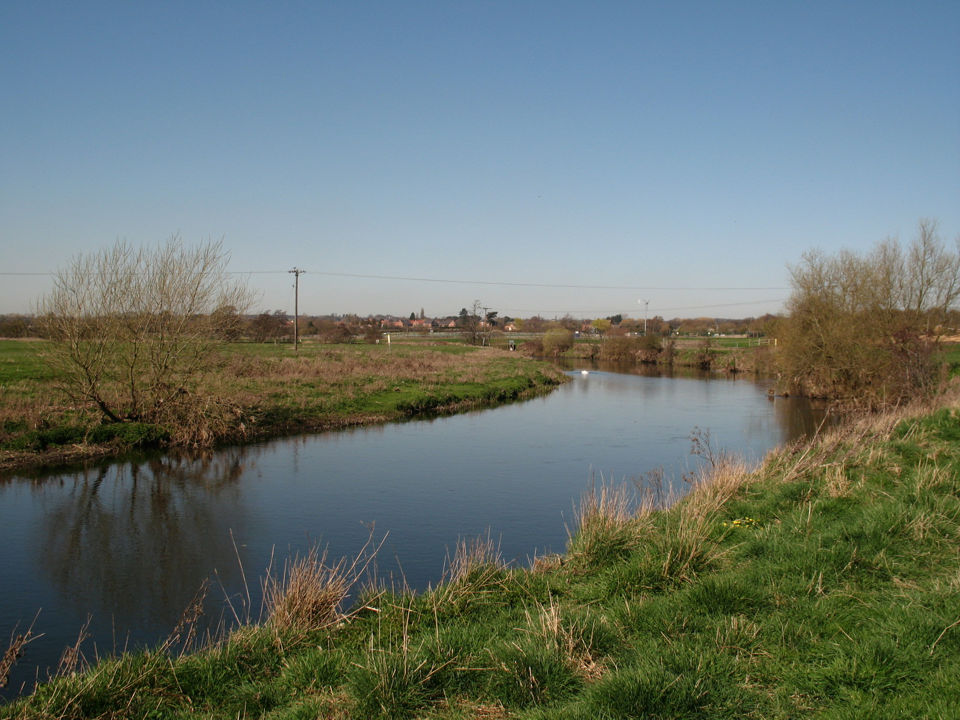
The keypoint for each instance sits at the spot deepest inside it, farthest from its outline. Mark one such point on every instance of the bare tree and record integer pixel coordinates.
(864, 327)
(932, 278)
(474, 327)
(134, 328)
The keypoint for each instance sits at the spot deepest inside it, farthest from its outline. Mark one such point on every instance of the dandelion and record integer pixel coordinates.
(741, 522)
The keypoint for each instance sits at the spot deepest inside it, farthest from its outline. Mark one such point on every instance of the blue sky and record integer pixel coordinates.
(678, 152)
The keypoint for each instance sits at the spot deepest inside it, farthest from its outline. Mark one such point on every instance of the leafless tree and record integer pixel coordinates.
(864, 327)
(474, 327)
(134, 328)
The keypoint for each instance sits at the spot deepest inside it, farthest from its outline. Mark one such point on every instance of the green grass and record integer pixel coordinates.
(732, 342)
(950, 355)
(22, 360)
(825, 584)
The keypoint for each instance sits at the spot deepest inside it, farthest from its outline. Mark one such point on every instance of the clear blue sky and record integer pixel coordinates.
(679, 152)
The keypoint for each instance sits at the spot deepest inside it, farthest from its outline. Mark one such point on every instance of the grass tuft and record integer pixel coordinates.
(475, 573)
(311, 593)
(529, 673)
(579, 637)
(610, 522)
(391, 684)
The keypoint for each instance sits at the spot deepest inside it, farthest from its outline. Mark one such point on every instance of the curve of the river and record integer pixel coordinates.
(127, 545)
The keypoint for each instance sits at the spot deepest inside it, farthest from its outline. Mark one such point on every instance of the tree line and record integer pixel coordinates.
(134, 329)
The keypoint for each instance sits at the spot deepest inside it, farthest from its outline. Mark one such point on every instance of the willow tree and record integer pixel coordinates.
(134, 330)
(865, 327)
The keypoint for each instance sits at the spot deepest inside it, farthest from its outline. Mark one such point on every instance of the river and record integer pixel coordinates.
(125, 546)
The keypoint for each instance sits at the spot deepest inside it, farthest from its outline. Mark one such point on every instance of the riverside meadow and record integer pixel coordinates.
(265, 390)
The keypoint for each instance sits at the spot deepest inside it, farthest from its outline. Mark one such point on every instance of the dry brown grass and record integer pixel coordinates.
(311, 593)
(608, 503)
(471, 555)
(713, 484)
(466, 709)
(349, 365)
(836, 482)
(72, 658)
(308, 595)
(184, 633)
(20, 407)
(546, 563)
(18, 641)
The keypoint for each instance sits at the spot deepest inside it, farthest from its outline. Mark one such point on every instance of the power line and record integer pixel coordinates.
(499, 283)
(505, 283)
(656, 310)
(229, 272)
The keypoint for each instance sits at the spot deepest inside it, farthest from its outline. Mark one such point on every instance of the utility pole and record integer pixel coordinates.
(646, 304)
(297, 272)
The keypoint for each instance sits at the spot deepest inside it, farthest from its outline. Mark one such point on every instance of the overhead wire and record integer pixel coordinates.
(508, 283)
(460, 281)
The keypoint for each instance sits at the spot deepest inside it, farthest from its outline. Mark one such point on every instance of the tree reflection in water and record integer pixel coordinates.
(802, 417)
(130, 544)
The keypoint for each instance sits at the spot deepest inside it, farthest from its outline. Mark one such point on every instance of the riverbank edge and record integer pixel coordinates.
(755, 360)
(277, 421)
(825, 580)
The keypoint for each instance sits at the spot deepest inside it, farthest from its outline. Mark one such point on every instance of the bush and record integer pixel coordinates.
(620, 349)
(864, 327)
(557, 341)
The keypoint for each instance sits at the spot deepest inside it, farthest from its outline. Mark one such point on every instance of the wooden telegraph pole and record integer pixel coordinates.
(297, 272)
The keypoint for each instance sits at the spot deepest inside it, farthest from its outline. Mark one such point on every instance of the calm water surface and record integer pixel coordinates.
(127, 545)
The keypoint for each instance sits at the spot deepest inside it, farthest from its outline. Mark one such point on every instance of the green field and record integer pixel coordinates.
(950, 355)
(825, 584)
(265, 390)
(21, 361)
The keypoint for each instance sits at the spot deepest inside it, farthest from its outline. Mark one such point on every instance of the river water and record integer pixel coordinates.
(125, 546)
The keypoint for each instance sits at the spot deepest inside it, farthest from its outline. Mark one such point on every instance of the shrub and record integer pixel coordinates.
(864, 327)
(620, 348)
(557, 341)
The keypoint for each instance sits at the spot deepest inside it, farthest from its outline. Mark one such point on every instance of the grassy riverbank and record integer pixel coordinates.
(824, 584)
(264, 390)
(726, 355)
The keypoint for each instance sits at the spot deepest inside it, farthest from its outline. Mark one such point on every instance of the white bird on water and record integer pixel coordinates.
(584, 372)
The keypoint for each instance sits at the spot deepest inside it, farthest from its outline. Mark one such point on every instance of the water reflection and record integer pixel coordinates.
(134, 541)
(801, 417)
